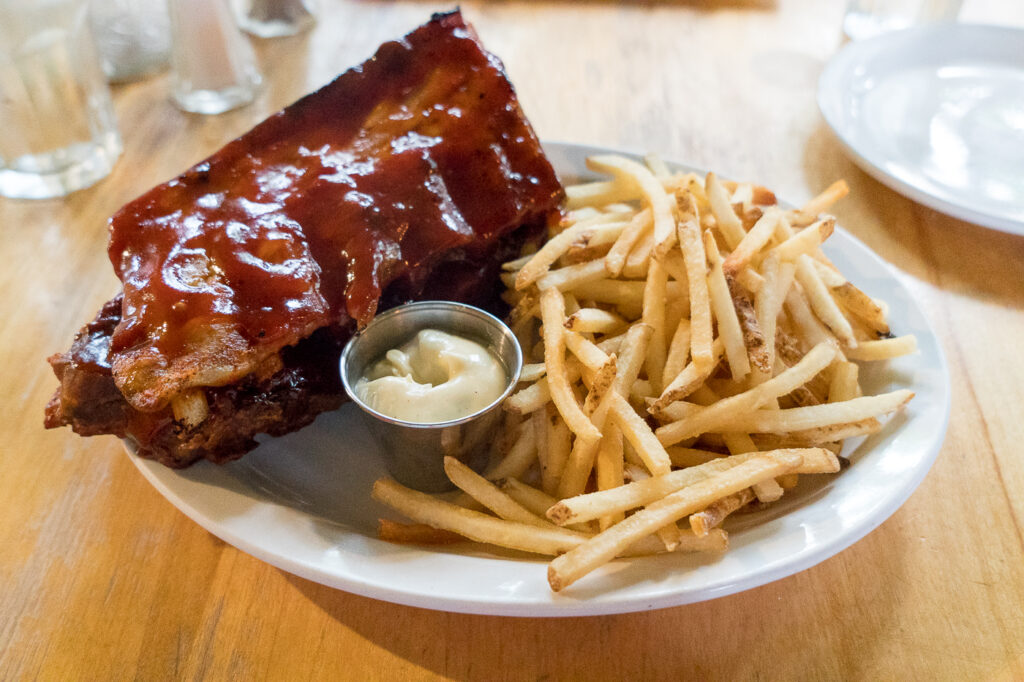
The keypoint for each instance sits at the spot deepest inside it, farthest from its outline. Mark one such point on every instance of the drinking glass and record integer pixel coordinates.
(276, 18)
(58, 132)
(213, 65)
(867, 18)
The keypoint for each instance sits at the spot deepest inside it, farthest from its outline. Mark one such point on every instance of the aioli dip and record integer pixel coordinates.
(435, 377)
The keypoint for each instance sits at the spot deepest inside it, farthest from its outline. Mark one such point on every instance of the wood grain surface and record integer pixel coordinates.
(101, 578)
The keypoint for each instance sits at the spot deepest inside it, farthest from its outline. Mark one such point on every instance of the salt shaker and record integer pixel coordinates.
(213, 66)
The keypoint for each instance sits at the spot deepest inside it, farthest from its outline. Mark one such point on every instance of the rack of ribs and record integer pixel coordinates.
(410, 176)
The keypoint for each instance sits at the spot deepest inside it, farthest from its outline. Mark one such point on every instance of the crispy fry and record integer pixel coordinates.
(695, 260)
(702, 522)
(567, 568)
(572, 276)
(609, 467)
(654, 317)
(861, 306)
(725, 314)
(833, 193)
(760, 234)
(754, 339)
(640, 436)
(488, 494)
(728, 409)
(688, 380)
(423, 508)
(729, 224)
(821, 301)
(806, 241)
(640, 224)
(414, 533)
(650, 187)
(640, 493)
(542, 261)
(678, 351)
(553, 314)
(521, 455)
(595, 321)
(816, 416)
(559, 440)
(884, 349)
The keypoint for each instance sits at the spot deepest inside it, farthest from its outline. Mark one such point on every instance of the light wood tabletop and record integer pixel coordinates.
(102, 578)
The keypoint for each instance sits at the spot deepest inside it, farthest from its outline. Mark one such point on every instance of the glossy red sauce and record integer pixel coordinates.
(301, 222)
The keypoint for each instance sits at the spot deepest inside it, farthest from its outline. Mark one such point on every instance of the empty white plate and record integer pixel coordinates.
(937, 114)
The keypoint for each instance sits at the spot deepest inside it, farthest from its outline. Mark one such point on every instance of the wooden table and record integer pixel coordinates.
(101, 578)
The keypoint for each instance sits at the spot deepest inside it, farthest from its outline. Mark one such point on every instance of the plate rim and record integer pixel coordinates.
(157, 475)
(829, 96)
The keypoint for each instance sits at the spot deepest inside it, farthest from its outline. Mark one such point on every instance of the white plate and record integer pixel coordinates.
(302, 502)
(936, 113)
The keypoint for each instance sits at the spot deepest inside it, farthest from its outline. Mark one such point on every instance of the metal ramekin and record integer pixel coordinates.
(414, 452)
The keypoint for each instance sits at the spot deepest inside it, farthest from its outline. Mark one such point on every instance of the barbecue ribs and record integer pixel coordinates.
(410, 176)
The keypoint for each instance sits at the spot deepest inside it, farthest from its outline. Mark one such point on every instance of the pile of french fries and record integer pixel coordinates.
(693, 353)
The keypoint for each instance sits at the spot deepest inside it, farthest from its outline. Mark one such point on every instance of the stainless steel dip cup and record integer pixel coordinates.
(414, 452)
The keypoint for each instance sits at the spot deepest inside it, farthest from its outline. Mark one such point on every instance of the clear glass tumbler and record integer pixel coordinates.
(58, 132)
(276, 18)
(213, 66)
(868, 18)
(133, 37)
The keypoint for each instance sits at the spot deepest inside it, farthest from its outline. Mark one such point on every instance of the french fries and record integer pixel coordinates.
(690, 352)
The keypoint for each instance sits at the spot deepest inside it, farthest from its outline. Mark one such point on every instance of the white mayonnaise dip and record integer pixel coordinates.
(435, 377)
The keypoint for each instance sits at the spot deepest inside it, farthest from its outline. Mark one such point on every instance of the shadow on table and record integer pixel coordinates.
(734, 637)
(949, 253)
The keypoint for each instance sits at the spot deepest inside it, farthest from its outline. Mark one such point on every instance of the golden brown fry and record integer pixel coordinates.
(542, 261)
(753, 337)
(884, 349)
(559, 440)
(729, 224)
(806, 241)
(688, 380)
(844, 384)
(639, 435)
(646, 491)
(521, 455)
(650, 187)
(586, 351)
(697, 282)
(730, 409)
(725, 313)
(821, 301)
(815, 416)
(414, 533)
(609, 466)
(654, 317)
(752, 242)
(572, 276)
(678, 351)
(640, 224)
(423, 508)
(594, 321)
(702, 522)
(833, 193)
(488, 494)
(553, 314)
(690, 457)
(598, 550)
(861, 306)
